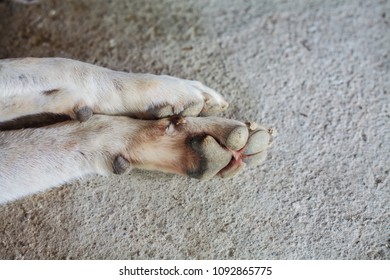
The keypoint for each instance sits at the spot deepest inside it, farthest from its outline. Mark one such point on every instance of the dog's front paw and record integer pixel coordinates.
(174, 96)
(202, 148)
(230, 150)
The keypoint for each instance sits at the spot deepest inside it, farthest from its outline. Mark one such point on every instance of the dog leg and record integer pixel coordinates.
(32, 160)
(197, 147)
(62, 86)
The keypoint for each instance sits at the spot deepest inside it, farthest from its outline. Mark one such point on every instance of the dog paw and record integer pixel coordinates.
(226, 154)
(252, 154)
(202, 148)
(175, 96)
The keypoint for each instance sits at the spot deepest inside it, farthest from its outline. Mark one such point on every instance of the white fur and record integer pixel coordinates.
(33, 160)
(23, 82)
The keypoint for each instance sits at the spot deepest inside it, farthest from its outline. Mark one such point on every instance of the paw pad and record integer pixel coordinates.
(244, 146)
(213, 157)
(120, 165)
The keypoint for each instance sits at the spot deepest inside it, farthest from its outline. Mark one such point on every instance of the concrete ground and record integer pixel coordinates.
(317, 71)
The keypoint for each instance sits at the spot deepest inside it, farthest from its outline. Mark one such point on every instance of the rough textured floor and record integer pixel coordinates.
(317, 71)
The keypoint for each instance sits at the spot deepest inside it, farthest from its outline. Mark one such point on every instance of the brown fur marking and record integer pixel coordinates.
(51, 92)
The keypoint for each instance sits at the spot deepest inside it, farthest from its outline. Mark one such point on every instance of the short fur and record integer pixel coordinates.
(96, 139)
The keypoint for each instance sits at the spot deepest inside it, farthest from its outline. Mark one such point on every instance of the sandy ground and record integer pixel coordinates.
(317, 71)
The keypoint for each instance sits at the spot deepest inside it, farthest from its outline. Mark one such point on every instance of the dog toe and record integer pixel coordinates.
(258, 141)
(237, 138)
(256, 159)
(161, 111)
(213, 103)
(193, 110)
